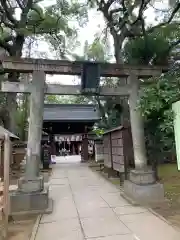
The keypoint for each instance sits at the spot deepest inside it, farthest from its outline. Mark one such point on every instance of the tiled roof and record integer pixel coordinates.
(4, 131)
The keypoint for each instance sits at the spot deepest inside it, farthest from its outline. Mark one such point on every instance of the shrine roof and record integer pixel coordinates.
(71, 112)
(113, 130)
(4, 131)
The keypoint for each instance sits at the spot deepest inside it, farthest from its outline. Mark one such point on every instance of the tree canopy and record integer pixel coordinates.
(23, 19)
(127, 20)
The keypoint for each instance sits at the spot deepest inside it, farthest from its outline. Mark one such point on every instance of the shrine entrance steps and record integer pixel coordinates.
(86, 206)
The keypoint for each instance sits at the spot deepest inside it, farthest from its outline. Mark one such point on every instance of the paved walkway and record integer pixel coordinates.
(86, 206)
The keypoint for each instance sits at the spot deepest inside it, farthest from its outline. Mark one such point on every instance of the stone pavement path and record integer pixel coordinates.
(86, 206)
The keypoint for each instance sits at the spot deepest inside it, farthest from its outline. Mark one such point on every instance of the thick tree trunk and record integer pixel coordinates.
(11, 105)
(25, 116)
(102, 110)
(125, 116)
(11, 109)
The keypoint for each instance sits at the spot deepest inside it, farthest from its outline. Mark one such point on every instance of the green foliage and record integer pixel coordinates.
(21, 116)
(98, 131)
(66, 17)
(156, 107)
(54, 23)
(95, 51)
(99, 51)
(152, 49)
(53, 99)
(157, 97)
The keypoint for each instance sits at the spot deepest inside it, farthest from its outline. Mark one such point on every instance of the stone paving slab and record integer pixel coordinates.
(57, 192)
(88, 207)
(117, 237)
(130, 218)
(96, 202)
(59, 181)
(63, 209)
(62, 230)
(99, 227)
(124, 210)
(57, 174)
(114, 200)
(95, 212)
(153, 228)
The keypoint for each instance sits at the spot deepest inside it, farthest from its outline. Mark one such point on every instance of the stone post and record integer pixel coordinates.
(32, 196)
(137, 125)
(32, 181)
(141, 186)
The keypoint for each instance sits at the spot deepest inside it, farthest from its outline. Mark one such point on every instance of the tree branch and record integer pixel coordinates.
(8, 12)
(174, 44)
(175, 10)
(20, 4)
(109, 3)
(9, 38)
(123, 5)
(116, 10)
(142, 7)
(25, 12)
(6, 46)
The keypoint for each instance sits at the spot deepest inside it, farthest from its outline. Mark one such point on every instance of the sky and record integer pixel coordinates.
(95, 24)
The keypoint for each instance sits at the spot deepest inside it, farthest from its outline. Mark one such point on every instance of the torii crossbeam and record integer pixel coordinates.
(28, 65)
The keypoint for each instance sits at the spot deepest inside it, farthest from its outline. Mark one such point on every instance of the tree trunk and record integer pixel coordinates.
(11, 105)
(125, 116)
(25, 107)
(11, 109)
(103, 113)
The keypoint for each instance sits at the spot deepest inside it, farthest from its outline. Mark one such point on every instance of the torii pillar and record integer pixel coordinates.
(31, 194)
(141, 185)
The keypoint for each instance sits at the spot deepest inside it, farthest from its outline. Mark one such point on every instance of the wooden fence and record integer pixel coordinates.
(5, 186)
(118, 149)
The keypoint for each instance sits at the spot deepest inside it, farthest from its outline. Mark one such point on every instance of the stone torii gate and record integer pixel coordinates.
(31, 186)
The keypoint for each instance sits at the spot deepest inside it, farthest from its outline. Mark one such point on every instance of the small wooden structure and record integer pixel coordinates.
(19, 152)
(118, 149)
(4, 132)
(4, 186)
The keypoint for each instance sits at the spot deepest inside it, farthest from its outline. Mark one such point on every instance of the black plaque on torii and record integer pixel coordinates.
(90, 78)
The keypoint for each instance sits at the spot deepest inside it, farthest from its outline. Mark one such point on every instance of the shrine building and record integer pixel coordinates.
(68, 125)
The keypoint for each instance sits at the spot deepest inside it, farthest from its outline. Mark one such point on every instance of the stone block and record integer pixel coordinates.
(149, 193)
(31, 185)
(142, 177)
(24, 202)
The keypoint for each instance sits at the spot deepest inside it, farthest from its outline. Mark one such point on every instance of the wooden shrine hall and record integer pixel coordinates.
(59, 119)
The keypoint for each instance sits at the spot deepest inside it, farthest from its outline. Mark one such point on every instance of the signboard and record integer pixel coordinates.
(90, 78)
(68, 138)
(46, 155)
(176, 109)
